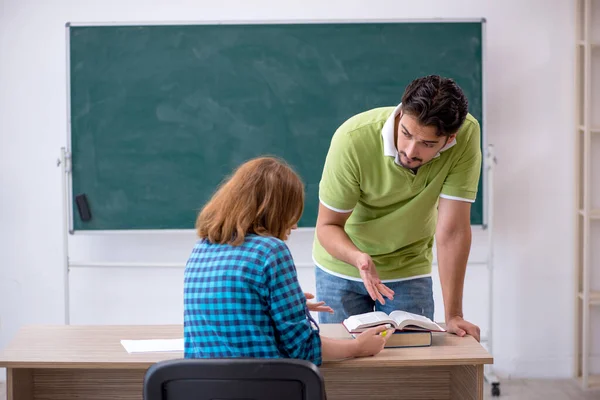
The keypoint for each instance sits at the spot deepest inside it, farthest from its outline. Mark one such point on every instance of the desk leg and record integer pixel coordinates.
(467, 382)
(19, 384)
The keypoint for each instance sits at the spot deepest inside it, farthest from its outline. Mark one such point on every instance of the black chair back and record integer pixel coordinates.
(234, 379)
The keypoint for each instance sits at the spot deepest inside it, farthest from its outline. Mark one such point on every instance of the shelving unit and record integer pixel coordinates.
(587, 134)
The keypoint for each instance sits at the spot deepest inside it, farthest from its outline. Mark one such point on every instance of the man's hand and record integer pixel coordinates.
(370, 278)
(460, 327)
(319, 306)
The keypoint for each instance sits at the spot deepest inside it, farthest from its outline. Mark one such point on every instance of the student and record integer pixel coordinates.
(242, 297)
(394, 178)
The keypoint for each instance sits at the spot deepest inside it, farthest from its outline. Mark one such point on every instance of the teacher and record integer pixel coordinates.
(394, 179)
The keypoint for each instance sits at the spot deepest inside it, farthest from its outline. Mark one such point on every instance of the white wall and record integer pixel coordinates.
(530, 114)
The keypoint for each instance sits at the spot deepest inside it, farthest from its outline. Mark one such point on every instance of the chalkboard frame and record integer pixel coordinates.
(69, 195)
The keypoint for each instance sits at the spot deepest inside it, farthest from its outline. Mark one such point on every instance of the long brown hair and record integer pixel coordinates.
(264, 196)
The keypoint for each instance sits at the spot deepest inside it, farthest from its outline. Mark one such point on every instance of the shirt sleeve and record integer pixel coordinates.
(463, 180)
(339, 189)
(295, 336)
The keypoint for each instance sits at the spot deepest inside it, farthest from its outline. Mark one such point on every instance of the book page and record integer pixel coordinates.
(404, 318)
(372, 317)
(366, 320)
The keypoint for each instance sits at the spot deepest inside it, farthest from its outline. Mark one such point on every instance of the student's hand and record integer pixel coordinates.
(372, 341)
(319, 306)
(370, 277)
(460, 327)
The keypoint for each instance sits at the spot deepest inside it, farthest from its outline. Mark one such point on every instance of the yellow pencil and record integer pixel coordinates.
(387, 326)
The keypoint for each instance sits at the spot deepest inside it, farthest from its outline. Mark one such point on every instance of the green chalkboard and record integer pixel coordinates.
(161, 114)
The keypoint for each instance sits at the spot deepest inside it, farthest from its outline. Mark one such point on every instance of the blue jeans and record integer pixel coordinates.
(348, 297)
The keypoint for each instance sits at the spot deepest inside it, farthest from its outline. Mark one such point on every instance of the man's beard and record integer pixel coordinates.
(418, 161)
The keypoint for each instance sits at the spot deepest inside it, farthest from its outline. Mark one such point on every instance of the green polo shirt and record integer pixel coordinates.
(394, 210)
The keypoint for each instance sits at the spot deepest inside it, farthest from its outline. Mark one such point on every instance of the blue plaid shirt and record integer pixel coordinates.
(245, 301)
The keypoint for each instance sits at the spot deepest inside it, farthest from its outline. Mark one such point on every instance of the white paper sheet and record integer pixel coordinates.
(152, 345)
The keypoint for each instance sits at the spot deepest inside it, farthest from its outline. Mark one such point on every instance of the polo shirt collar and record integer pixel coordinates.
(387, 133)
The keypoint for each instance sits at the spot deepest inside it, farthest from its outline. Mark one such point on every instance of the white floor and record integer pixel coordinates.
(539, 389)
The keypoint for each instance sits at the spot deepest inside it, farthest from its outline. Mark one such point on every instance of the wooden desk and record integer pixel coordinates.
(88, 362)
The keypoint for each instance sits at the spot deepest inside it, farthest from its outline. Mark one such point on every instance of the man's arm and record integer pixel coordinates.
(453, 239)
(333, 238)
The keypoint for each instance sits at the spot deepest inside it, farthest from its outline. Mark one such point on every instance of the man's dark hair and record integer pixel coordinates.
(436, 101)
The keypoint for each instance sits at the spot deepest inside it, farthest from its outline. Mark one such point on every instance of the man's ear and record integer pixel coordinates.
(449, 139)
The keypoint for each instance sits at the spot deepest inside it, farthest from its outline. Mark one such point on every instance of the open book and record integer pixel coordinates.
(400, 320)
(398, 339)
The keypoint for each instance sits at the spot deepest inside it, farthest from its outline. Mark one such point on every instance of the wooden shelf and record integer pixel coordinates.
(593, 381)
(594, 129)
(587, 61)
(594, 214)
(594, 45)
(594, 298)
